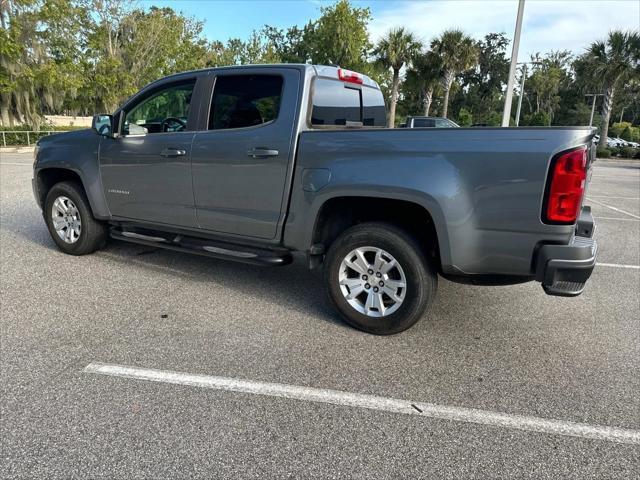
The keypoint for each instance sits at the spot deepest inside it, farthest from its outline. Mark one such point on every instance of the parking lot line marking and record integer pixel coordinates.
(618, 265)
(373, 402)
(615, 209)
(15, 163)
(617, 218)
(619, 177)
(607, 196)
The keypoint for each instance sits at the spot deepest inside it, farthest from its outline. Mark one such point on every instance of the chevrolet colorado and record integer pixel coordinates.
(258, 163)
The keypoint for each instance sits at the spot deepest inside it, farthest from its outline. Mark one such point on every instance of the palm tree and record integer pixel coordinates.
(393, 51)
(458, 53)
(614, 60)
(427, 70)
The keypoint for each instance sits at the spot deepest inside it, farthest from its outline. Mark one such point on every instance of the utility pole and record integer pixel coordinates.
(506, 115)
(593, 105)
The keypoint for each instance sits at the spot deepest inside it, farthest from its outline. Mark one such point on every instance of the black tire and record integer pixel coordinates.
(93, 233)
(421, 278)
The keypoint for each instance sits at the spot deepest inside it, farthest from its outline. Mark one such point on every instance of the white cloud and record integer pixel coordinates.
(548, 24)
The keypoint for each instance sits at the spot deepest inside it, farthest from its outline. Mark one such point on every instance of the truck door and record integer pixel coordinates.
(240, 164)
(146, 170)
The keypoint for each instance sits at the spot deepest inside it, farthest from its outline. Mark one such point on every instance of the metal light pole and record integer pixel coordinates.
(593, 105)
(506, 115)
(524, 75)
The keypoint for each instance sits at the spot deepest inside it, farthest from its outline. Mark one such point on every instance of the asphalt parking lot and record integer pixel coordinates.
(508, 350)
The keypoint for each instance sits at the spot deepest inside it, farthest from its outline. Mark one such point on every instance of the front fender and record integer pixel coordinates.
(78, 152)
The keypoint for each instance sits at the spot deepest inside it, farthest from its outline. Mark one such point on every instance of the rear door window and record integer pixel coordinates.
(241, 101)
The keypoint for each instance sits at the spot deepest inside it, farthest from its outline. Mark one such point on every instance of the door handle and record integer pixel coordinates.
(262, 152)
(173, 152)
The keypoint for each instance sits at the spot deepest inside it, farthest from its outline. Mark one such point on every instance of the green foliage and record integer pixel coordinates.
(627, 134)
(465, 118)
(603, 153)
(627, 152)
(615, 60)
(538, 119)
(626, 131)
(396, 49)
(339, 36)
(79, 57)
(458, 53)
(617, 128)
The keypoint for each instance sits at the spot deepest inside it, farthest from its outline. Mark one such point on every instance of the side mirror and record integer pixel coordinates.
(103, 124)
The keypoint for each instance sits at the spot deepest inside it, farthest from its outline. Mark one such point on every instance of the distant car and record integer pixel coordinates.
(429, 122)
(615, 142)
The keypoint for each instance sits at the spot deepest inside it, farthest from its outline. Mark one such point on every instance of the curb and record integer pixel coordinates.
(619, 161)
(16, 149)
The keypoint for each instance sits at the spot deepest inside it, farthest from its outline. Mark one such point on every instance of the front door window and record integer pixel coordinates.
(165, 110)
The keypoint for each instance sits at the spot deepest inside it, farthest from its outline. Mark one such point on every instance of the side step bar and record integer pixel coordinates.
(208, 248)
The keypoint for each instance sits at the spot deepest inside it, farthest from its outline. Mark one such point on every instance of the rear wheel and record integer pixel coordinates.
(70, 221)
(378, 278)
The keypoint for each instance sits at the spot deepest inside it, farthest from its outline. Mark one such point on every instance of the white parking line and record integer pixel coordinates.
(618, 177)
(607, 196)
(615, 209)
(617, 218)
(12, 163)
(617, 265)
(373, 402)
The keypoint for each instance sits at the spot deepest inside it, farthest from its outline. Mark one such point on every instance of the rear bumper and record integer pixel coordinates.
(564, 270)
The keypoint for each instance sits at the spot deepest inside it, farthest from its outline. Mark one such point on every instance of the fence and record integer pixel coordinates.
(15, 137)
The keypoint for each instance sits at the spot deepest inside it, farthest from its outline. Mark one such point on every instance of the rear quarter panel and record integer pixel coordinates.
(482, 186)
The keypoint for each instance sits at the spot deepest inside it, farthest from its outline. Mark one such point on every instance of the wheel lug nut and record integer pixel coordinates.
(381, 284)
(378, 274)
(370, 272)
(364, 277)
(367, 286)
(375, 289)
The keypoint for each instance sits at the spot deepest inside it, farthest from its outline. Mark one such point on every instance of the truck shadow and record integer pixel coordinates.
(293, 286)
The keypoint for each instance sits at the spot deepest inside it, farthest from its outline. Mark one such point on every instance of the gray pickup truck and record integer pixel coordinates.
(260, 163)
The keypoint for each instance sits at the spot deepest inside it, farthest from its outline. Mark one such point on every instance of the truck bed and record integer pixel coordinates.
(483, 187)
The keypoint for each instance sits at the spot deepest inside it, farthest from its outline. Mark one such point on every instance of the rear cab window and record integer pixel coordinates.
(337, 103)
(424, 123)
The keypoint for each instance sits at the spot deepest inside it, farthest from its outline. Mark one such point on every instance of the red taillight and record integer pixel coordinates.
(349, 76)
(568, 177)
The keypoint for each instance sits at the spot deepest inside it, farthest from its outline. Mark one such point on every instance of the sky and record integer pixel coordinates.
(547, 25)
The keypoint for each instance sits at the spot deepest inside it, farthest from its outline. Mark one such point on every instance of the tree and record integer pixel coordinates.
(339, 36)
(39, 72)
(458, 53)
(614, 59)
(427, 70)
(482, 86)
(393, 51)
(550, 74)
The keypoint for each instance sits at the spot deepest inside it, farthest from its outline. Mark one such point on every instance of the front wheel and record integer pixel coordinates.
(70, 220)
(378, 278)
